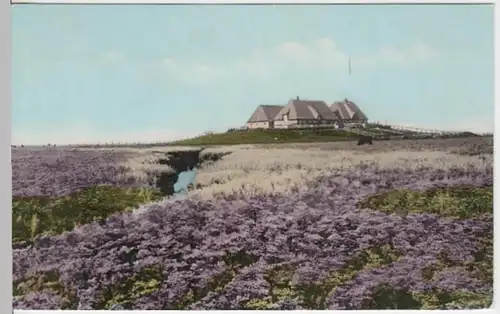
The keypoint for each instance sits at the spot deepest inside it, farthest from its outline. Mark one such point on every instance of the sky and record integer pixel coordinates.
(148, 73)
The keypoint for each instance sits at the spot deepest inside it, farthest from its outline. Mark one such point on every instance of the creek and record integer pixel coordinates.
(185, 179)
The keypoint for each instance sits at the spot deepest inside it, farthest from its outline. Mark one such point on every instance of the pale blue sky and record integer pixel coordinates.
(87, 73)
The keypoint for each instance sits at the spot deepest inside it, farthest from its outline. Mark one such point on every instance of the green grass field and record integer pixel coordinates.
(269, 136)
(33, 216)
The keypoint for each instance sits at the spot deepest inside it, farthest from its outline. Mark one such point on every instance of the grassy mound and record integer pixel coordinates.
(32, 216)
(269, 136)
(460, 202)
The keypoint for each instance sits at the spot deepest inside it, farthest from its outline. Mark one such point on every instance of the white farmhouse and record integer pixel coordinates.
(263, 117)
(300, 113)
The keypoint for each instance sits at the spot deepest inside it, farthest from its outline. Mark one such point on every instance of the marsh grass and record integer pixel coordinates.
(144, 166)
(32, 216)
(129, 289)
(459, 202)
(266, 172)
(280, 169)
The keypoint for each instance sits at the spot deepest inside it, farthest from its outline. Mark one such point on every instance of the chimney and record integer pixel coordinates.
(346, 100)
(297, 97)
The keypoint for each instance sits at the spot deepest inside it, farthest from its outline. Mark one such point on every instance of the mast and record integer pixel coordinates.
(349, 65)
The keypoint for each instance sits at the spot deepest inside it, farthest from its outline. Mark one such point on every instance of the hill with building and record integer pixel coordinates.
(299, 113)
(302, 120)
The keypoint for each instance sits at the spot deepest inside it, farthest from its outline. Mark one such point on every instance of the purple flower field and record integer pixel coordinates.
(56, 172)
(363, 237)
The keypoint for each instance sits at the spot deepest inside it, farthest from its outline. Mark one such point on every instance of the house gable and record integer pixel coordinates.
(264, 113)
(348, 110)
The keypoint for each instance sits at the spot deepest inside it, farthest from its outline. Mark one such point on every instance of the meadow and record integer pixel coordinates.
(404, 224)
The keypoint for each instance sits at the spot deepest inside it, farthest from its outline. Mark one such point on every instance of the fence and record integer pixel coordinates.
(401, 128)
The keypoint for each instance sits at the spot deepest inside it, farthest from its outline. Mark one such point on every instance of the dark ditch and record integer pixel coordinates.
(182, 161)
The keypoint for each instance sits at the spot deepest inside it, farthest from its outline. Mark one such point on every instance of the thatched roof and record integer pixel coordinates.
(298, 109)
(348, 110)
(265, 113)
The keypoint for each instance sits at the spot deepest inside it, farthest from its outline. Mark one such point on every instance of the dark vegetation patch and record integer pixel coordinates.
(215, 284)
(45, 215)
(313, 294)
(459, 202)
(386, 297)
(129, 289)
(46, 282)
(234, 261)
(481, 266)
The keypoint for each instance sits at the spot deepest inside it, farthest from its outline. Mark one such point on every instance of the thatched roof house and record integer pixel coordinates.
(305, 112)
(263, 116)
(348, 111)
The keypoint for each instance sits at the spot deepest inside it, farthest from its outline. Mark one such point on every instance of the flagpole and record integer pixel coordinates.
(349, 65)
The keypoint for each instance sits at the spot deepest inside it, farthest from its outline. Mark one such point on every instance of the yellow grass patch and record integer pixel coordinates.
(275, 171)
